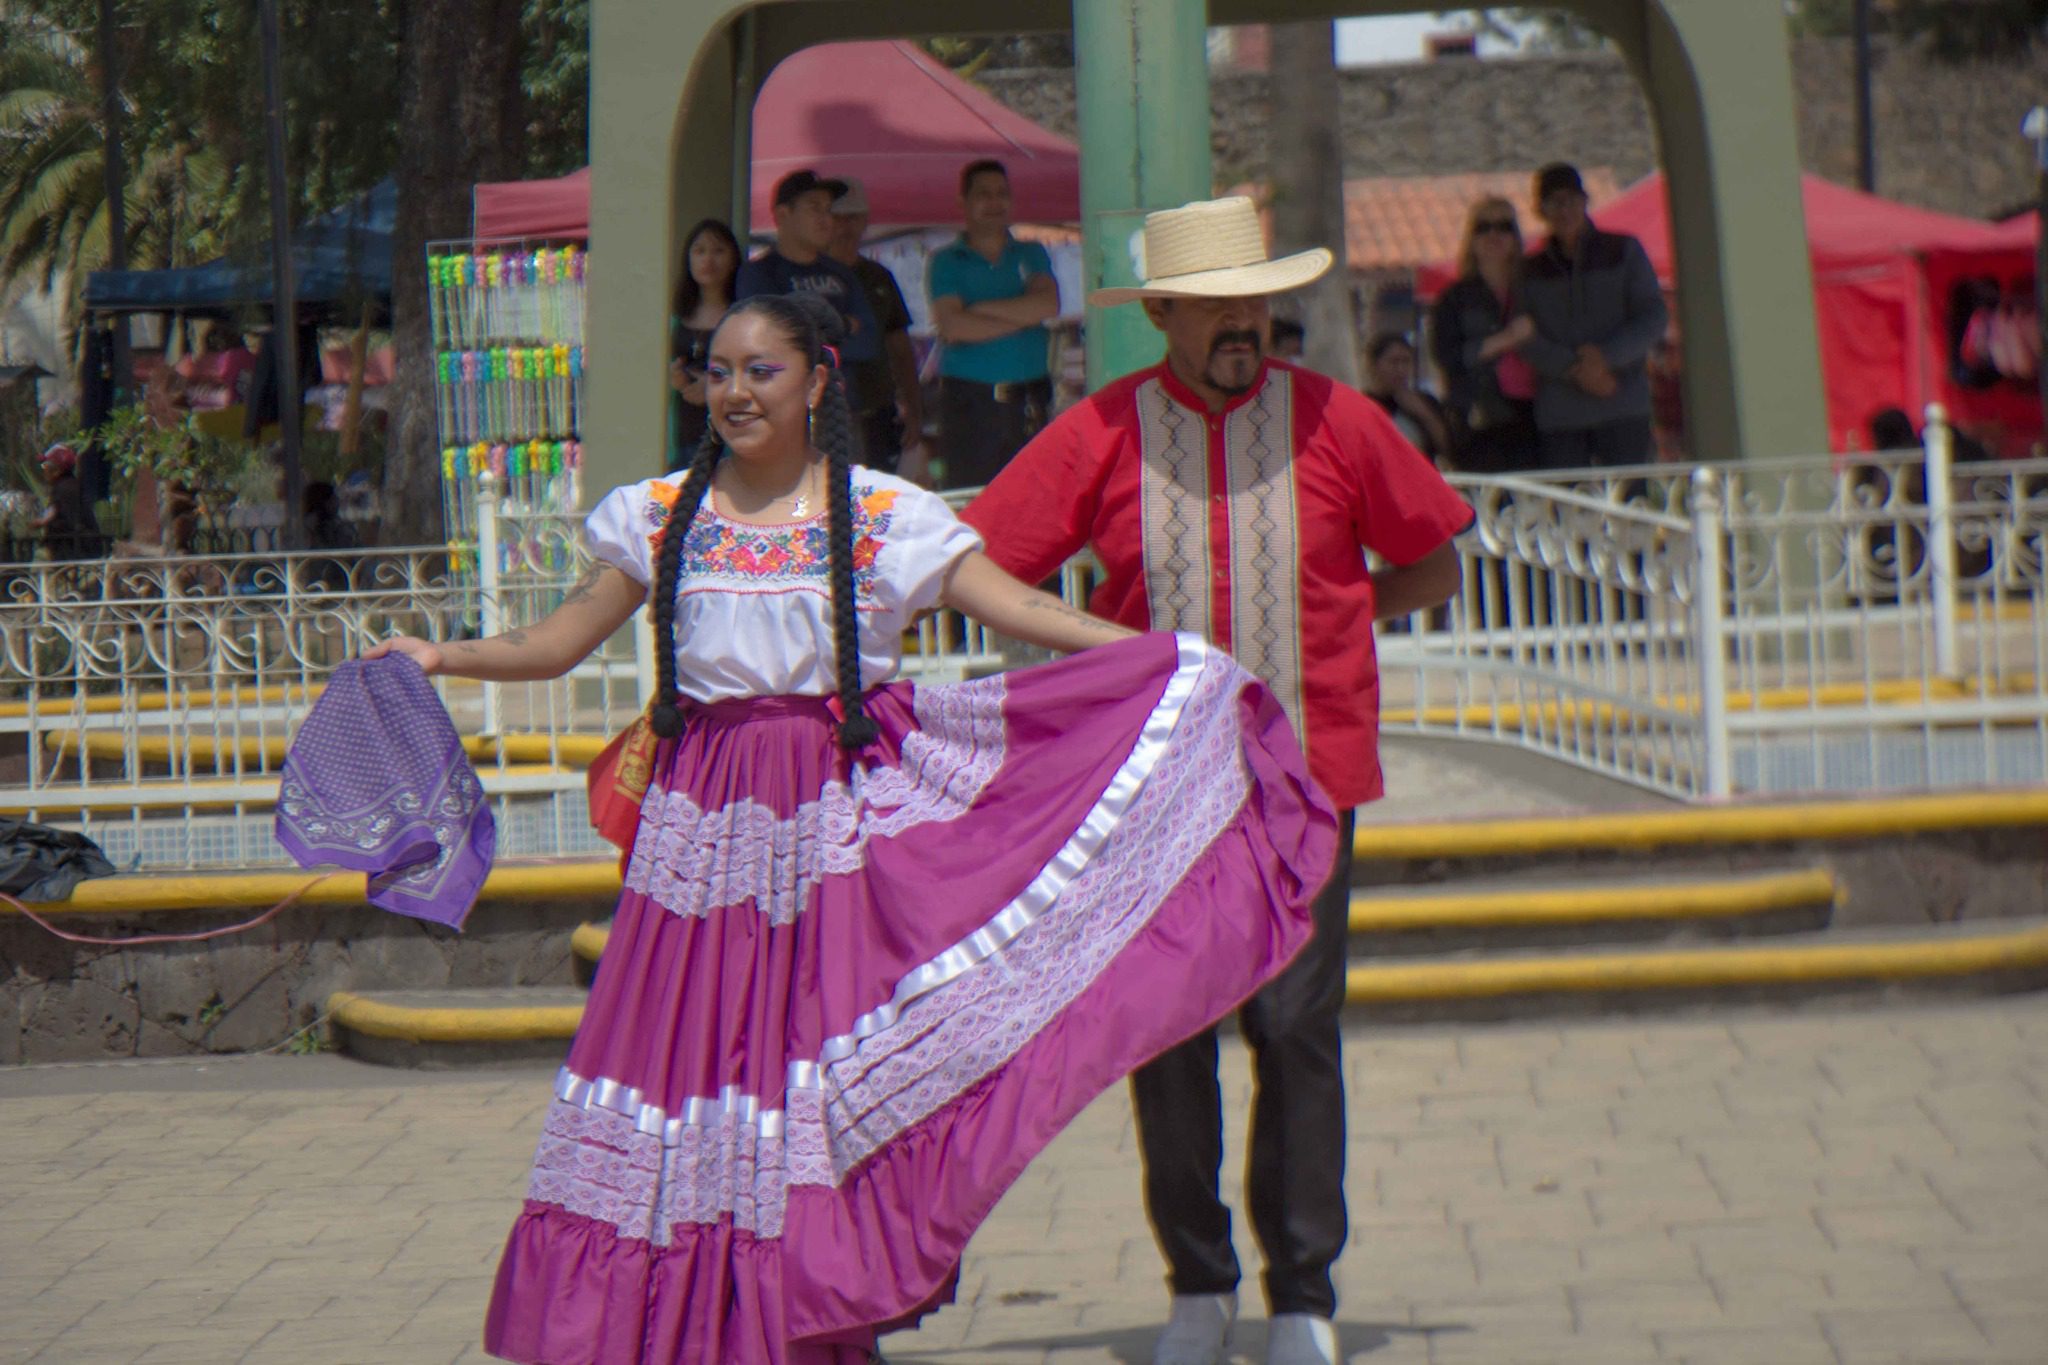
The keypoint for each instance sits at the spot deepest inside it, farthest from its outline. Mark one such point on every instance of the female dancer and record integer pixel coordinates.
(878, 942)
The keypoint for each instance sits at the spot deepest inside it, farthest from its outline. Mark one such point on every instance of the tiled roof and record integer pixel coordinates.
(1404, 222)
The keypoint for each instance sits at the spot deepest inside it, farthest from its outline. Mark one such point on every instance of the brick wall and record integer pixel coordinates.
(1947, 136)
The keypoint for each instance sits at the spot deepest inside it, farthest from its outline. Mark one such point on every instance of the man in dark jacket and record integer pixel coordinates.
(1598, 311)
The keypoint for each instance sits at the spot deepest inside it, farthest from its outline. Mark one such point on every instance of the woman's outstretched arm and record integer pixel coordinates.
(982, 590)
(602, 601)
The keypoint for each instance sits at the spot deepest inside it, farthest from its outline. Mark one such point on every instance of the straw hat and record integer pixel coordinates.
(1213, 248)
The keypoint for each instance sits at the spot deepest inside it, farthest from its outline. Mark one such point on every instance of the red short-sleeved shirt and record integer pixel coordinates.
(1247, 526)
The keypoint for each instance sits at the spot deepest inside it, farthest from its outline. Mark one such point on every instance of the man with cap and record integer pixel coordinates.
(886, 402)
(1235, 495)
(797, 264)
(991, 298)
(68, 526)
(1598, 312)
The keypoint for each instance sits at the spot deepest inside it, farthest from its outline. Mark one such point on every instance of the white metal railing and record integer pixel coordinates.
(1879, 620)
(149, 703)
(1574, 636)
(1769, 626)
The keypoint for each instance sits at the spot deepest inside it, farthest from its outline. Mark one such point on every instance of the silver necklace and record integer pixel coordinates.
(799, 501)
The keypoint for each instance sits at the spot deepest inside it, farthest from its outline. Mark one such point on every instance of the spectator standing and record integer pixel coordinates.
(1475, 332)
(797, 264)
(991, 297)
(1597, 310)
(704, 290)
(1290, 339)
(886, 404)
(68, 526)
(1390, 382)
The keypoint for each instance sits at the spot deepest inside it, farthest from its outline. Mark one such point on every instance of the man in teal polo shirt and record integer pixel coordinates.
(991, 296)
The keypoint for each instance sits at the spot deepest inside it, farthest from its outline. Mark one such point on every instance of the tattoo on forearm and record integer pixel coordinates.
(1054, 607)
(586, 586)
(516, 637)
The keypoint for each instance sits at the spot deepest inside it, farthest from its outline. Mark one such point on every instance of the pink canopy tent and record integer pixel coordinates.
(884, 112)
(1883, 274)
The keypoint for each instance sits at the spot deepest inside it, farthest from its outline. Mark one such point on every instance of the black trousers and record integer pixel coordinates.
(982, 425)
(1625, 440)
(1295, 1174)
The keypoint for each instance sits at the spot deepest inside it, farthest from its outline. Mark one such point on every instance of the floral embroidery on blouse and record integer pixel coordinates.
(769, 555)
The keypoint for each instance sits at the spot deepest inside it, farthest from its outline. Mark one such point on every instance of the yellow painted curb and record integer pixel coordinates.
(575, 751)
(1725, 898)
(267, 751)
(589, 940)
(1695, 969)
(1550, 714)
(424, 1024)
(136, 895)
(1694, 826)
(111, 702)
(2011, 613)
(196, 794)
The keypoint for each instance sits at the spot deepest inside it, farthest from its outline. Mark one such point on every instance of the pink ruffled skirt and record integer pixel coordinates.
(841, 1010)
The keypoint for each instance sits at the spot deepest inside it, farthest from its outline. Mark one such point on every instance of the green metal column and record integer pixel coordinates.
(1719, 78)
(1142, 82)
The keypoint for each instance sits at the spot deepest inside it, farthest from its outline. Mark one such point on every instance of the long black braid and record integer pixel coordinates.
(815, 328)
(666, 717)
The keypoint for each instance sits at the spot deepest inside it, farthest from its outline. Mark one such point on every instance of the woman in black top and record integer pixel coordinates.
(711, 258)
(1474, 332)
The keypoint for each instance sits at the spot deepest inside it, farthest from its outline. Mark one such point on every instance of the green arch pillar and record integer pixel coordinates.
(672, 82)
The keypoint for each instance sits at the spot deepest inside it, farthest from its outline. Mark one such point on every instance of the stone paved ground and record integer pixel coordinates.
(1775, 1188)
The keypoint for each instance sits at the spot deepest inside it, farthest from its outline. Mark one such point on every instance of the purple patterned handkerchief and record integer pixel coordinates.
(376, 781)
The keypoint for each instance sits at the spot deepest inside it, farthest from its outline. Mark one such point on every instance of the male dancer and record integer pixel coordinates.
(1235, 495)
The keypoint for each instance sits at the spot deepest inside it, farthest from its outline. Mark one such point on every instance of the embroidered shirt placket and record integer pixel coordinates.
(1174, 504)
(1265, 562)
(1222, 623)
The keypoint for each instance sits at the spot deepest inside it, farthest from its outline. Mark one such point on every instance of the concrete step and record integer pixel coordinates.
(1508, 913)
(449, 1028)
(1504, 914)
(1985, 957)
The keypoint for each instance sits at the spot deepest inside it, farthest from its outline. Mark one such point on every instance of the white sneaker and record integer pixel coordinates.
(1197, 1330)
(1300, 1339)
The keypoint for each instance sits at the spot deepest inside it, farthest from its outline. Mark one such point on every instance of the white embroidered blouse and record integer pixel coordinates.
(754, 603)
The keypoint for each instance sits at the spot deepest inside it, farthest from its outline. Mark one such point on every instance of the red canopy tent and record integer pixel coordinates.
(554, 210)
(882, 111)
(1883, 277)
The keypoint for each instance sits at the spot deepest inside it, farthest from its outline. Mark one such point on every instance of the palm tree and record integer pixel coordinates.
(53, 203)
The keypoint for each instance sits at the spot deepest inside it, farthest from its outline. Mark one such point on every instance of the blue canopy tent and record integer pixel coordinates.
(342, 255)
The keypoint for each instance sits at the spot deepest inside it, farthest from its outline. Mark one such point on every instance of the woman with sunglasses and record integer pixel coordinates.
(1474, 334)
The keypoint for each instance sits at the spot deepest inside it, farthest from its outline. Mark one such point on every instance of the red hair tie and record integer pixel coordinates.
(833, 352)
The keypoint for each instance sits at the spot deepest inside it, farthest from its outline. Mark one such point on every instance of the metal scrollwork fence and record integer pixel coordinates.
(150, 702)
(1821, 624)
(1769, 626)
